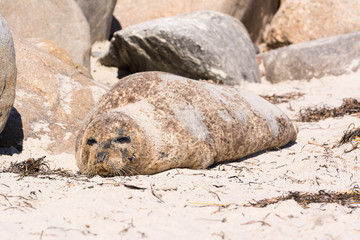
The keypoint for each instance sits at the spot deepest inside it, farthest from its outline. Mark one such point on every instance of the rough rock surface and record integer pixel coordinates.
(99, 15)
(328, 56)
(52, 99)
(7, 72)
(255, 14)
(305, 20)
(154, 121)
(56, 50)
(199, 45)
(61, 21)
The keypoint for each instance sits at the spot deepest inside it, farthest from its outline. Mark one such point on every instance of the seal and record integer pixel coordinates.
(153, 121)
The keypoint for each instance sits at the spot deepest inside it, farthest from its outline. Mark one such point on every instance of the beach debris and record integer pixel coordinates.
(351, 135)
(204, 204)
(19, 203)
(158, 196)
(304, 199)
(283, 98)
(316, 113)
(34, 167)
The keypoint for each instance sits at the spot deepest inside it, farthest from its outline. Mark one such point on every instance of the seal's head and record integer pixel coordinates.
(109, 146)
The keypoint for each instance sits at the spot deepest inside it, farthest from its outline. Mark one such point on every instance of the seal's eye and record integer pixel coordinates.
(123, 139)
(91, 141)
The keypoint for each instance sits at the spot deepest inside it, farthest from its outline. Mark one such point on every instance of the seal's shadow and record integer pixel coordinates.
(12, 137)
(252, 155)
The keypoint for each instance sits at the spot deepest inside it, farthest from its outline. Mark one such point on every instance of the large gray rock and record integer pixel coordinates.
(52, 98)
(305, 20)
(99, 15)
(198, 45)
(254, 14)
(328, 56)
(7, 72)
(61, 21)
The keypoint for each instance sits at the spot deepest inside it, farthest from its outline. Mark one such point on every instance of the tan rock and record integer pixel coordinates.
(56, 50)
(304, 20)
(255, 14)
(61, 21)
(52, 97)
(7, 72)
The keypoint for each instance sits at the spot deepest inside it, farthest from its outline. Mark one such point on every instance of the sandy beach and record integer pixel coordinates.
(217, 203)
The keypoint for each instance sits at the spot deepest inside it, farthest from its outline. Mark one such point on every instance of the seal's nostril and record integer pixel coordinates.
(91, 141)
(123, 139)
(101, 156)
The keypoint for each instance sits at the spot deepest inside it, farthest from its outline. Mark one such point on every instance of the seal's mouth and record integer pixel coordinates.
(105, 169)
(109, 163)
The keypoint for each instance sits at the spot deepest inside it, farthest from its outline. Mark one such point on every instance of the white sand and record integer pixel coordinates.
(208, 204)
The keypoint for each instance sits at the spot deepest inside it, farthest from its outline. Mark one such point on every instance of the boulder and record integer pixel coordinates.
(99, 16)
(56, 50)
(254, 14)
(335, 55)
(305, 20)
(52, 98)
(61, 21)
(200, 45)
(7, 72)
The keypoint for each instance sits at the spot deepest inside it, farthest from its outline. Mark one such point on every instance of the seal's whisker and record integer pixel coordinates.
(88, 173)
(131, 170)
(113, 169)
(122, 172)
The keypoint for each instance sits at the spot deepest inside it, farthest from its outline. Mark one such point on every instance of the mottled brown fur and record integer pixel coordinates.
(166, 121)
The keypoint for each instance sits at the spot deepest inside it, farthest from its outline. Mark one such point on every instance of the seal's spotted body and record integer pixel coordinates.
(153, 121)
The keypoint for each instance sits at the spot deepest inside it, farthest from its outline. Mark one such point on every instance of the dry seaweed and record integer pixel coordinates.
(304, 199)
(351, 135)
(284, 98)
(313, 114)
(34, 167)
